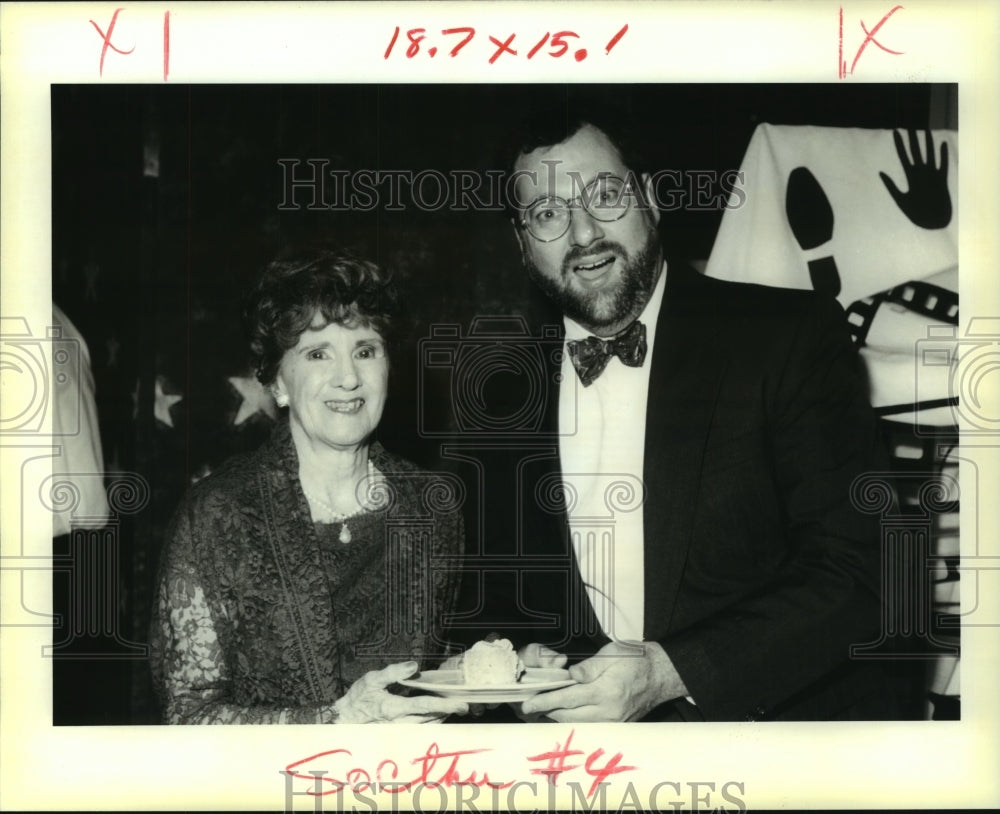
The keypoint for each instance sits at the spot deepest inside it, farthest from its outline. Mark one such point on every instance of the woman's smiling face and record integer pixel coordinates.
(336, 378)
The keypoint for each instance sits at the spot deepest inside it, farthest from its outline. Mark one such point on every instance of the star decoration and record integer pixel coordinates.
(163, 402)
(256, 399)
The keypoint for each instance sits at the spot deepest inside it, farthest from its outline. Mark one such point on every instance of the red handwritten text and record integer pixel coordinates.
(436, 768)
(166, 45)
(106, 38)
(556, 764)
(333, 771)
(842, 69)
(106, 42)
(559, 44)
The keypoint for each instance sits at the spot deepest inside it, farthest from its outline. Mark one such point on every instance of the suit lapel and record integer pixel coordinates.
(686, 373)
(687, 368)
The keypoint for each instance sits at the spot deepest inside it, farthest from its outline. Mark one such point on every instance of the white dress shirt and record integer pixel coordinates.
(602, 435)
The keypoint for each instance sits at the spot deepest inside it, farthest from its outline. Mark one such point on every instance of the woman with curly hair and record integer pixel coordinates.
(300, 582)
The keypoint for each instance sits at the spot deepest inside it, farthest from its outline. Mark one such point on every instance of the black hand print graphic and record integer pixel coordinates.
(926, 202)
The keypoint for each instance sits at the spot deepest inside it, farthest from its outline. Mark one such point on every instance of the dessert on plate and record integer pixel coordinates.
(489, 663)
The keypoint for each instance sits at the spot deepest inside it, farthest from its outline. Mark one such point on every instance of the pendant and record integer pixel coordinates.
(345, 534)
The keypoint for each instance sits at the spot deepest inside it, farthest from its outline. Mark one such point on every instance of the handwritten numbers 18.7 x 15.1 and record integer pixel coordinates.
(452, 41)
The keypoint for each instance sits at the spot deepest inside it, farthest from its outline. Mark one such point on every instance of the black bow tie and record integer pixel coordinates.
(591, 355)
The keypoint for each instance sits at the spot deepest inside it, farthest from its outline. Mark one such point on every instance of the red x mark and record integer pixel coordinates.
(504, 46)
(869, 37)
(107, 39)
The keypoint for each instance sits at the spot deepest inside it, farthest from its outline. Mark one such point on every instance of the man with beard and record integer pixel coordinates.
(734, 585)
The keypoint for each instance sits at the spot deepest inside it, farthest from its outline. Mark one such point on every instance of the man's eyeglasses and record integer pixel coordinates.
(606, 198)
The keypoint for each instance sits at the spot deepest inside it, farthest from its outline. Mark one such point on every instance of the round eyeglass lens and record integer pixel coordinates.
(606, 198)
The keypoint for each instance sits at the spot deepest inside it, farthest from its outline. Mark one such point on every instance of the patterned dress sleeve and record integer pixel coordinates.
(188, 665)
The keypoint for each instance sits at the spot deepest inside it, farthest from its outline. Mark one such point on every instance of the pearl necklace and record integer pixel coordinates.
(345, 535)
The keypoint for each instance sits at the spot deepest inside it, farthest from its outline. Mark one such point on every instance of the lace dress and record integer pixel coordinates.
(262, 616)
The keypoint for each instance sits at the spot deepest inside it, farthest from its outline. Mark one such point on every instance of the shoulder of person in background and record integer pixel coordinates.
(80, 460)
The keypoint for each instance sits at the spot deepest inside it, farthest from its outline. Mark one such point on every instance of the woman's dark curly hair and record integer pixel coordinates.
(304, 282)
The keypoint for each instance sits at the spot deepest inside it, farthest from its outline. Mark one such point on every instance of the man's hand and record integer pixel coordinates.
(619, 683)
(538, 655)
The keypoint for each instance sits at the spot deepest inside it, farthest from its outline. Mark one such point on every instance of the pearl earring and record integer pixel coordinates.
(281, 399)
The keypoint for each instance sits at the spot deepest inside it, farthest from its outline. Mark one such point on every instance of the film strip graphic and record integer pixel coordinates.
(920, 526)
(934, 303)
(925, 299)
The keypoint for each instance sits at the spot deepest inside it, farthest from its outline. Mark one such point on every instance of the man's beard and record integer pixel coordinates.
(597, 310)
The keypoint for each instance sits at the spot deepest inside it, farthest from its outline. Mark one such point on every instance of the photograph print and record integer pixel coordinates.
(505, 403)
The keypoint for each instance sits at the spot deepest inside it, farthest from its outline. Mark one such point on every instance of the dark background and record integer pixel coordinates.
(151, 264)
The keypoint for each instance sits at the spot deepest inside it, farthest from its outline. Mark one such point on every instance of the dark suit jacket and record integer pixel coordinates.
(759, 571)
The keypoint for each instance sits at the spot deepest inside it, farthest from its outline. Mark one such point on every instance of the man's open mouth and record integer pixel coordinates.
(593, 270)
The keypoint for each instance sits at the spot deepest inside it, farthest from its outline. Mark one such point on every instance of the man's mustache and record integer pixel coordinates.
(578, 253)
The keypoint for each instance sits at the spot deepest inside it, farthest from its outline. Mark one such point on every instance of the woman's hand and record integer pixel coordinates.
(368, 700)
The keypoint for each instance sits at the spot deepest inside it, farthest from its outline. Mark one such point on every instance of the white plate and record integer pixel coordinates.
(450, 684)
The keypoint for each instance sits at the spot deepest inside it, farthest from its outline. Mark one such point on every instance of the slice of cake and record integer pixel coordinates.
(491, 663)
